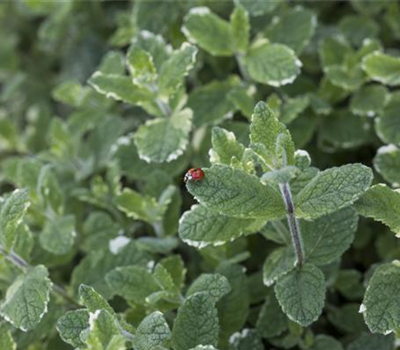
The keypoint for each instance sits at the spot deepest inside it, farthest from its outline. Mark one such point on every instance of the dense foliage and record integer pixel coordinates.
(291, 110)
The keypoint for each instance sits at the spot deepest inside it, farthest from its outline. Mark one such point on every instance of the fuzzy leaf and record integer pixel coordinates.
(235, 193)
(58, 235)
(369, 100)
(141, 66)
(71, 325)
(272, 64)
(383, 68)
(6, 340)
(225, 146)
(93, 300)
(152, 332)
(164, 139)
(387, 163)
(258, 8)
(26, 299)
(381, 204)
(215, 285)
(388, 123)
(368, 341)
(240, 24)
(301, 294)
(278, 264)
(333, 189)
(196, 323)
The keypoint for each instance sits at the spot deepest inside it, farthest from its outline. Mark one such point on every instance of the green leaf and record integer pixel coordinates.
(369, 100)
(58, 235)
(204, 347)
(381, 204)
(246, 339)
(332, 189)
(215, 285)
(196, 323)
(328, 237)
(240, 24)
(141, 66)
(152, 332)
(387, 163)
(369, 341)
(349, 79)
(209, 31)
(388, 123)
(6, 340)
(235, 193)
(322, 342)
(176, 68)
(26, 299)
(225, 146)
(49, 190)
(93, 300)
(258, 8)
(278, 263)
(383, 68)
(357, 29)
(265, 129)
(272, 64)
(12, 212)
(201, 227)
(333, 51)
(294, 28)
(301, 294)
(133, 283)
(71, 325)
(164, 139)
(347, 319)
(210, 103)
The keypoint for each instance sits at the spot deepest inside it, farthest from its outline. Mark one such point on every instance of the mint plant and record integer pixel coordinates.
(199, 175)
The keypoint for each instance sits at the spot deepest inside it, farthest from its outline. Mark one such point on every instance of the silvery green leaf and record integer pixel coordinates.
(196, 323)
(152, 332)
(282, 175)
(272, 64)
(278, 263)
(387, 163)
(112, 63)
(383, 68)
(164, 139)
(58, 235)
(235, 193)
(258, 8)
(246, 339)
(141, 66)
(215, 285)
(301, 294)
(292, 108)
(71, 325)
(209, 31)
(12, 212)
(357, 29)
(368, 341)
(240, 25)
(388, 123)
(225, 146)
(349, 79)
(382, 204)
(26, 299)
(294, 28)
(332, 189)
(333, 50)
(369, 100)
(93, 300)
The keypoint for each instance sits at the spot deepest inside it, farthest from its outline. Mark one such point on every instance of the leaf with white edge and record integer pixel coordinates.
(225, 146)
(301, 294)
(210, 103)
(152, 332)
(349, 79)
(258, 8)
(120, 88)
(12, 212)
(6, 340)
(164, 139)
(235, 193)
(240, 24)
(196, 323)
(58, 235)
(204, 347)
(369, 100)
(71, 325)
(26, 299)
(382, 204)
(133, 283)
(176, 68)
(141, 66)
(323, 342)
(246, 339)
(278, 263)
(200, 227)
(328, 237)
(215, 285)
(293, 107)
(388, 123)
(294, 28)
(333, 51)
(383, 68)
(387, 163)
(112, 63)
(332, 189)
(265, 130)
(272, 64)
(93, 300)
(209, 31)
(368, 341)
(381, 305)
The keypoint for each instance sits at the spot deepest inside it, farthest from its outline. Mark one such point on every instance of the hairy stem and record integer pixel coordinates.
(293, 223)
(18, 261)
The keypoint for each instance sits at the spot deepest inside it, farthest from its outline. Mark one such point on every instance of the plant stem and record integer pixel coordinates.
(23, 265)
(293, 223)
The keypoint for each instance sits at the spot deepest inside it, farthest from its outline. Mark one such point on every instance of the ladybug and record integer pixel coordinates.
(194, 174)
